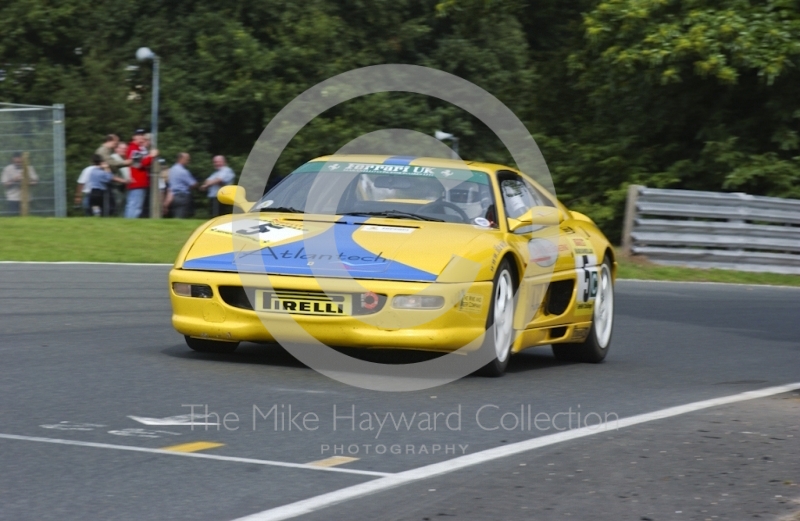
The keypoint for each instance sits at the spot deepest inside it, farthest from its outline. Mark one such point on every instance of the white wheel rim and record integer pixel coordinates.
(604, 307)
(503, 316)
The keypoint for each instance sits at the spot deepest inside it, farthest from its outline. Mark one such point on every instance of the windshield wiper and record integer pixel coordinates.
(395, 214)
(285, 209)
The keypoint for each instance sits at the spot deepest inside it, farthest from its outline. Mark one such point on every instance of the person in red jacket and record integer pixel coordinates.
(141, 159)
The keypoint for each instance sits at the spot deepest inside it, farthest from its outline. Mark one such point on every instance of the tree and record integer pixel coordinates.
(693, 94)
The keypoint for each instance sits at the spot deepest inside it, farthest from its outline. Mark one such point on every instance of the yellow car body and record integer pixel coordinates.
(281, 280)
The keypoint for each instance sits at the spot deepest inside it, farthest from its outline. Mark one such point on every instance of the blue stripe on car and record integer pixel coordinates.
(351, 259)
(399, 160)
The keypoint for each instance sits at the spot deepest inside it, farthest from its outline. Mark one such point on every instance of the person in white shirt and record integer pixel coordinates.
(101, 200)
(11, 179)
(222, 176)
(83, 190)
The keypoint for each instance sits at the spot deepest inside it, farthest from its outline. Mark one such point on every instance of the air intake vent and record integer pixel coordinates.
(559, 295)
(235, 296)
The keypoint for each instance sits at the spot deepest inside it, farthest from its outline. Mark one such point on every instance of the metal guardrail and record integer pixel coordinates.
(713, 230)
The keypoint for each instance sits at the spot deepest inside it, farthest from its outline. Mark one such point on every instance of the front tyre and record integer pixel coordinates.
(210, 346)
(595, 348)
(500, 322)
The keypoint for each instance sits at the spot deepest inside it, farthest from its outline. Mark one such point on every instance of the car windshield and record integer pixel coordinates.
(391, 191)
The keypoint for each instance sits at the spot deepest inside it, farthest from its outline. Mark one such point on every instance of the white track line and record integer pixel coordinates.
(192, 455)
(395, 480)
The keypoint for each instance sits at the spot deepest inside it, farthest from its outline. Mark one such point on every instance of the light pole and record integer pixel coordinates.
(445, 136)
(144, 54)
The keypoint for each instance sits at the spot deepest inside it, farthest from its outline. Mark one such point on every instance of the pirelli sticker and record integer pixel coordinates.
(303, 303)
(471, 303)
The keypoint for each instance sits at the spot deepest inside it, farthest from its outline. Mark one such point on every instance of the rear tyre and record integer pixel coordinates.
(210, 346)
(501, 315)
(595, 348)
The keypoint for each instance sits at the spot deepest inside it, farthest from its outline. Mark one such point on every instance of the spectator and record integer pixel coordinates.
(222, 176)
(163, 187)
(101, 199)
(107, 151)
(12, 182)
(118, 157)
(148, 143)
(140, 159)
(181, 183)
(83, 190)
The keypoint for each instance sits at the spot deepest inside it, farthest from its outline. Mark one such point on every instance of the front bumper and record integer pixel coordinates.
(460, 322)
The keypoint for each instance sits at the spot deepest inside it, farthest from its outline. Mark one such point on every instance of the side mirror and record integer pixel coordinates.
(538, 216)
(234, 196)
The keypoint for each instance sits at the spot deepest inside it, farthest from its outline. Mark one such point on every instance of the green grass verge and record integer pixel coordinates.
(158, 241)
(92, 239)
(635, 268)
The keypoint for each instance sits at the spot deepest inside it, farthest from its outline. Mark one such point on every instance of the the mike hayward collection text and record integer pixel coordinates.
(286, 417)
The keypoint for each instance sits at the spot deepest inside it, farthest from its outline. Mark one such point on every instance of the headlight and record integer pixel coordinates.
(192, 290)
(417, 302)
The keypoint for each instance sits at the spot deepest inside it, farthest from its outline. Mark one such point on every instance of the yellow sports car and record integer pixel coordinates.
(402, 253)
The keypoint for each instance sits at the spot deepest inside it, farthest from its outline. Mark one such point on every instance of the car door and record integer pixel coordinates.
(538, 245)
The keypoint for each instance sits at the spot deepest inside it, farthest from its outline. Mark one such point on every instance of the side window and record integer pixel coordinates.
(517, 197)
(538, 196)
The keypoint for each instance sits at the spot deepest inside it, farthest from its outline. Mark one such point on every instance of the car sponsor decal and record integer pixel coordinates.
(396, 167)
(313, 256)
(542, 252)
(261, 231)
(499, 247)
(303, 303)
(471, 303)
(386, 229)
(581, 246)
(579, 334)
(411, 170)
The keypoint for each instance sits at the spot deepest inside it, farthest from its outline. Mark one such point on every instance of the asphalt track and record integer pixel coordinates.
(85, 347)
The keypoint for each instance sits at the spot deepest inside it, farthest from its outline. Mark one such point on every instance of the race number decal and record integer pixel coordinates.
(587, 275)
(264, 232)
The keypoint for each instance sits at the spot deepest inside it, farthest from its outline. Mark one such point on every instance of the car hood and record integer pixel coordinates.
(351, 247)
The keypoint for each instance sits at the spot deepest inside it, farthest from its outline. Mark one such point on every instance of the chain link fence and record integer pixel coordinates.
(36, 133)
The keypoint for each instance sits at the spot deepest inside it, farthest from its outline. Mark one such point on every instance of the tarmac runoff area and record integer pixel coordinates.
(699, 401)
